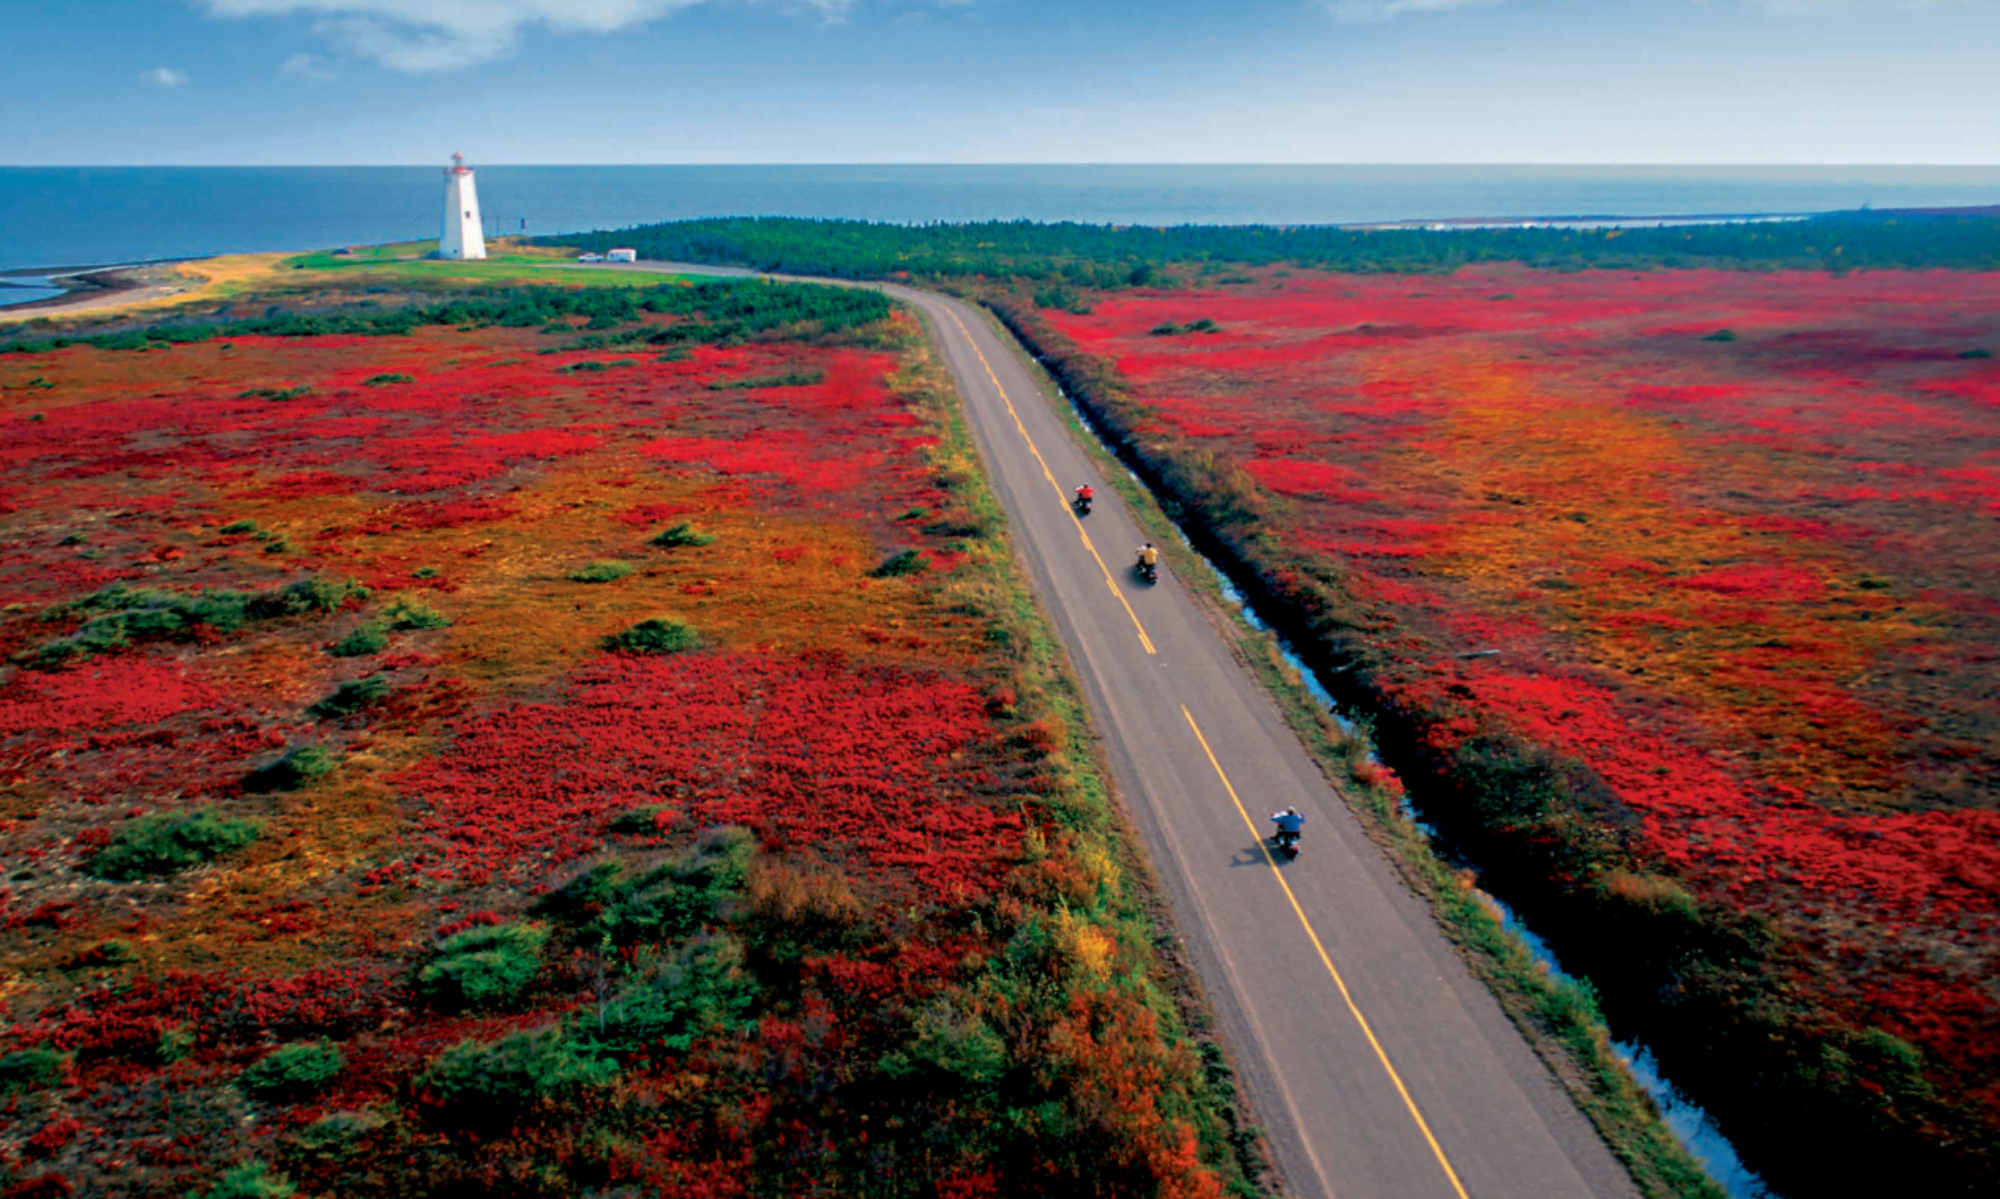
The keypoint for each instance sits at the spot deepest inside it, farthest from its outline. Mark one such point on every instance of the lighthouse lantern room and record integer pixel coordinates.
(460, 237)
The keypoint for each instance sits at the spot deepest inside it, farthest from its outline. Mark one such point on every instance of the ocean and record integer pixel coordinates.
(74, 216)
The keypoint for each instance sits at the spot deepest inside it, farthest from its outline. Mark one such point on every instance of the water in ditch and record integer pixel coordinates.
(1685, 1118)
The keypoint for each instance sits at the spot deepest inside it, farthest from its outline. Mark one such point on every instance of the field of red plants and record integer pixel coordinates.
(1693, 575)
(433, 764)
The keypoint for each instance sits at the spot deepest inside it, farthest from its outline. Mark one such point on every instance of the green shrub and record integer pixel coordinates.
(297, 768)
(904, 562)
(296, 1070)
(1169, 329)
(674, 997)
(166, 843)
(352, 696)
(425, 572)
(319, 594)
(119, 615)
(253, 1180)
(336, 1136)
(1982, 353)
(951, 1050)
(666, 903)
(385, 380)
(495, 1082)
(406, 613)
(173, 1045)
(1721, 335)
(643, 819)
(275, 393)
(664, 636)
(683, 534)
(235, 527)
(600, 572)
(368, 639)
(29, 1069)
(104, 954)
(484, 966)
(758, 382)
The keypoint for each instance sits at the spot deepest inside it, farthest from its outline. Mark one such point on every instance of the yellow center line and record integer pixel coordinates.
(1326, 960)
(1109, 581)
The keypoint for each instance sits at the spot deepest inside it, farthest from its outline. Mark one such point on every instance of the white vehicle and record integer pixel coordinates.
(590, 258)
(622, 255)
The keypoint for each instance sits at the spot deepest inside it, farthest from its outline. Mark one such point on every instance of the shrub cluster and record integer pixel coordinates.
(294, 1071)
(292, 771)
(483, 967)
(683, 534)
(352, 696)
(661, 636)
(600, 572)
(166, 843)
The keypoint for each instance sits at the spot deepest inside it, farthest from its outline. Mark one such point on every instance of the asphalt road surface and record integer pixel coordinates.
(1379, 1068)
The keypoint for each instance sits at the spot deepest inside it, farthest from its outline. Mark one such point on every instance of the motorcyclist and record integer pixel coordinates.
(1149, 558)
(1084, 494)
(1291, 823)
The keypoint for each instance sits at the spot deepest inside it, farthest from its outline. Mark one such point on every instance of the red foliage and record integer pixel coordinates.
(1750, 581)
(732, 739)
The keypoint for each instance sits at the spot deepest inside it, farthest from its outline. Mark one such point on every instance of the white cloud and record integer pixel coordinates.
(1799, 8)
(442, 35)
(1383, 10)
(306, 66)
(164, 77)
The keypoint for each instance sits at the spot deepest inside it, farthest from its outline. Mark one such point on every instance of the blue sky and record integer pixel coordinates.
(719, 81)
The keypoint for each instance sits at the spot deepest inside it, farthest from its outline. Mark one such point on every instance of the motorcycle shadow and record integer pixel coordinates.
(1261, 854)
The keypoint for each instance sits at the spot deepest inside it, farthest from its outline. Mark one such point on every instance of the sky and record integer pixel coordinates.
(309, 82)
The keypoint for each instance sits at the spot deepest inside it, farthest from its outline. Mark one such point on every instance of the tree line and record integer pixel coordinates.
(1110, 255)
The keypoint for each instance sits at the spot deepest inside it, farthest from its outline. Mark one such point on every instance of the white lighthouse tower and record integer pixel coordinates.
(460, 237)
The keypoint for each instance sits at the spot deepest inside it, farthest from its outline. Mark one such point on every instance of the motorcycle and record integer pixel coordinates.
(1286, 840)
(1081, 504)
(1148, 572)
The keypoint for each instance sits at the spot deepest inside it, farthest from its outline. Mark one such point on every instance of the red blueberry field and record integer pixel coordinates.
(486, 755)
(1720, 549)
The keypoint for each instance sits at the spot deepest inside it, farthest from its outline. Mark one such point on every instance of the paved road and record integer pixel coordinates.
(1379, 1067)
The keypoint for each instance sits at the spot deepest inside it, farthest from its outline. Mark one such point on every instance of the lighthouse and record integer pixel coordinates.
(460, 236)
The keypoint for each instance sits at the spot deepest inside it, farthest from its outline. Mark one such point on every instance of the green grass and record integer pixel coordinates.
(405, 263)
